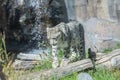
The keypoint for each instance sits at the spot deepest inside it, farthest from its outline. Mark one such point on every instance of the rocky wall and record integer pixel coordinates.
(83, 10)
(101, 34)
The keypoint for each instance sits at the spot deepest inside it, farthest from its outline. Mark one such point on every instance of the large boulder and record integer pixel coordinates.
(101, 34)
(115, 62)
(23, 65)
(83, 10)
(33, 55)
(28, 60)
(84, 76)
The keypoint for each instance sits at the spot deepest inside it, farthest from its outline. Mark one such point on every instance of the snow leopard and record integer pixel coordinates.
(69, 37)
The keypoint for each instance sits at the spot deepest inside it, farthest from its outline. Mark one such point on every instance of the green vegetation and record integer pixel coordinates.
(100, 74)
(70, 77)
(3, 51)
(61, 53)
(107, 51)
(118, 46)
(43, 65)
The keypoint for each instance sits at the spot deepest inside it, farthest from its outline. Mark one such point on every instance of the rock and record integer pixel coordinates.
(99, 54)
(58, 12)
(101, 34)
(115, 62)
(25, 65)
(24, 56)
(84, 76)
(81, 10)
(27, 60)
(103, 28)
(34, 55)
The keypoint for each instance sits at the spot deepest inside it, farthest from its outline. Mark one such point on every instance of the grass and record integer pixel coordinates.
(107, 51)
(70, 77)
(118, 46)
(3, 52)
(14, 74)
(100, 74)
(43, 65)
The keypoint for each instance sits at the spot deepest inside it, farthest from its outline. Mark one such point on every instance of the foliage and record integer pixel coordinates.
(100, 74)
(118, 46)
(70, 77)
(107, 51)
(43, 65)
(3, 52)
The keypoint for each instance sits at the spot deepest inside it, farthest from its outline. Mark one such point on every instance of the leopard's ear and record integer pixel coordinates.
(47, 29)
(63, 29)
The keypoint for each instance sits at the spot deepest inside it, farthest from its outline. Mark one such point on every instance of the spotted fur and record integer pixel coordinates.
(69, 37)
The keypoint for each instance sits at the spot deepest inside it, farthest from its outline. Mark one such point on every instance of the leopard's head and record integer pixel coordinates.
(55, 34)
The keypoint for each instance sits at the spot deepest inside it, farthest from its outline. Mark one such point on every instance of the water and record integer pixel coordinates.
(70, 6)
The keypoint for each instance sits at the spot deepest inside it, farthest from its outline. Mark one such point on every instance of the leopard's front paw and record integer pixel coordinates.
(55, 63)
(73, 57)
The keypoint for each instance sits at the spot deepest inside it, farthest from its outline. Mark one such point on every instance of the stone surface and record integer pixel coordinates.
(82, 10)
(61, 11)
(24, 56)
(71, 12)
(27, 60)
(115, 62)
(101, 34)
(58, 12)
(84, 76)
(30, 30)
(24, 65)
(34, 55)
(99, 54)
(100, 18)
